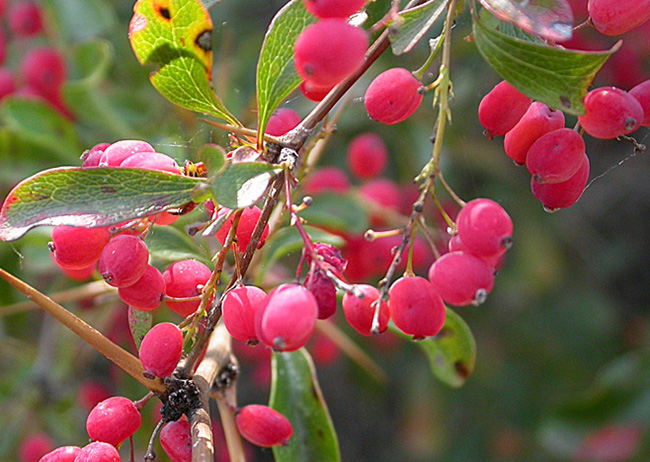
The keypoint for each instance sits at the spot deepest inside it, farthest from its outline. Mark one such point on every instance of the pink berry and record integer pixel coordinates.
(3, 47)
(116, 153)
(556, 156)
(333, 8)
(113, 420)
(92, 156)
(185, 278)
(484, 227)
(263, 426)
(3, 7)
(456, 245)
(315, 92)
(152, 161)
(238, 312)
(536, 121)
(461, 278)
(554, 196)
(610, 112)
(7, 83)
(282, 121)
(415, 307)
(393, 96)
(78, 248)
(34, 447)
(146, 293)
(383, 193)
(176, 441)
(323, 290)
(616, 17)
(359, 312)
(62, 454)
(123, 260)
(25, 19)
(326, 179)
(44, 70)
(98, 452)
(501, 109)
(329, 50)
(641, 93)
(161, 349)
(80, 274)
(287, 318)
(367, 156)
(247, 222)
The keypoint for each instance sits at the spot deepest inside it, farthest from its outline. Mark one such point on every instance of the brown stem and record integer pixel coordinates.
(227, 404)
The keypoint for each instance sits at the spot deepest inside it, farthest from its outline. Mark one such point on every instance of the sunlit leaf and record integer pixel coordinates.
(414, 24)
(241, 185)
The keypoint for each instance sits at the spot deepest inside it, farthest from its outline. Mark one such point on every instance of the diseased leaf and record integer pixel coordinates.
(549, 19)
(295, 393)
(139, 324)
(338, 212)
(276, 74)
(176, 36)
(414, 24)
(241, 185)
(91, 197)
(555, 76)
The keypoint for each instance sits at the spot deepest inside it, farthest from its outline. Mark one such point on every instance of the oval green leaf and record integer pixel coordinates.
(295, 393)
(414, 24)
(91, 197)
(337, 212)
(241, 185)
(167, 244)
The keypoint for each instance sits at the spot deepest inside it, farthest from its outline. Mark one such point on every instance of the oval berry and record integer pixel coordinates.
(359, 312)
(327, 179)
(146, 293)
(642, 94)
(185, 278)
(152, 161)
(461, 278)
(92, 156)
(263, 426)
(484, 227)
(616, 17)
(367, 156)
(610, 112)
(98, 452)
(247, 222)
(333, 8)
(393, 96)
(176, 441)
(556, 156)
(415, 307)
(25, 19)
(123, 260)
(556, 196)
(282, 121)
(44, 70)
(161, 349)
(238, 311)
(62, 454)
(113, 420)
(119, 151)
(78, 248)
(501, 109)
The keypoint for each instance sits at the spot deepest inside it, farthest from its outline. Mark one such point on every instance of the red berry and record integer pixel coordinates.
(415, 307)
(393, 96)
(263, 426)
(81, 274)
(185, 278)
(359, 312)
(461, 278)
(282, 121)
(314, 92)
(92, 156)
(329, 50)
(556, 196)
(383, 193)
(327, 179)
(367, 156)
(152, 161)
(641, 93)
(176, 441)
(146, 293)
(34, 447)
(119, 151)
(7, 83)
(493, 261)
(333, 8)
(44, 70)
(238, 311)
(556, 156)
(247, 222)
(610, 112)
(78, 248)
(536, 121)
(62, 454)
(123, 260)
(501, 109)
(287, 318)
(615, 17)
(484, 227)
(323, 290)
(113, 420)
(161, 349)
(98, 452)
(25, 19)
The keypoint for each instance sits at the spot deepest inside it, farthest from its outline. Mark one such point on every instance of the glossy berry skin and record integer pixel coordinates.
(152, 161)
(556, 156)
(113, 420)
(62, 454)
(263, 426)
(35, 446)
(161, 349)
(641, 93)
(610, 112)
(562, 195)
(536, 121)
(44, 70)
(416, 307)
(333, 8)
(484, 227)
(461, 278)
(367, 156)
(287, 318)
(282, 121)
(185, 278)
(146, 293)
(238, 312)
(327, 179)
(315, 92)
(359, 311)
(393, 96)
(92, 156)
(328, 51)
(493, 261)
(98, 452)
(616, 17)
(176, 441)
(25, 19)
(501, 109)
(247, 222)
(78, 248)
(119, 151)
(123, 260)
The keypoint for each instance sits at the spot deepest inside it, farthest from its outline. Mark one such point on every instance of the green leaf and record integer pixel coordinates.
(214, 158)
(178, 39)
(296, 395)
(139, 324)
(338, 212)
(167, 244)
(555, 76)
(549, 19)
(415, 23)
(241, 185)
(90, 197)
(80, 19)
(276, 74)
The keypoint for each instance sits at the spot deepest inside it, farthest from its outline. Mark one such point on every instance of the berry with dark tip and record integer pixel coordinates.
(78, 248)
(610, 112)
(161, 349)
(501, 109)
(123, 260)
(554, 196)
(484, 227)
(146, 293)
(556, 156)
(359, 312)
(185, 278)
(461, 278)
(393, 96)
